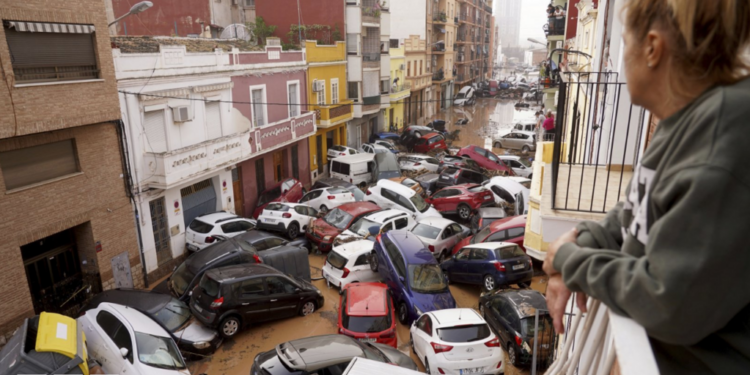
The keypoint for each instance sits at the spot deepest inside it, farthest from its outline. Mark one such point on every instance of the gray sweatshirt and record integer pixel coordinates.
(675, 255)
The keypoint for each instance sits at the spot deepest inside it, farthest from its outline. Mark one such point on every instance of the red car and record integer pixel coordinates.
(485, 159)
(290, 190)
(510, 229)
(430, 142)
(461, 199)
(323, 231)
(366, 313)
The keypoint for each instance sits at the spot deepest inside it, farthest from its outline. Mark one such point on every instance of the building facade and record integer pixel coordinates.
(400, 87)
(368, 33)
(473, 53)
(442, 23)
(419, 78)
(70, 231)
(321, 20)
(508, 16)
(326, 86)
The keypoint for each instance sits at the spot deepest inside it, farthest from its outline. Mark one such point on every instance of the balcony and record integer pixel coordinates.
(335, 114)
(439, 75)
(554, 27)
(439, 17)
(371, 11)
(370, 104)
(371, 57)
(402, 91)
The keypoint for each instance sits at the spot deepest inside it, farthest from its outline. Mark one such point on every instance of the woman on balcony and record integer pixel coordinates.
(674, 255)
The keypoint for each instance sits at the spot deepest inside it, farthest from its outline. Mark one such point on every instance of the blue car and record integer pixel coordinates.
(490, 264)
(412, 275)
(386, 136)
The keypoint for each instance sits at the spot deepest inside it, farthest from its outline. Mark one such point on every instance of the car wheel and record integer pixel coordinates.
(292, 231)
(323, 208)
(464, 212)
(524, 284)
(373, 262)
(512, 357)
(307, 308)
(489, 283)
(427, 366)
(229, 327)
(497, 145)
(525, 149)
(403, 313)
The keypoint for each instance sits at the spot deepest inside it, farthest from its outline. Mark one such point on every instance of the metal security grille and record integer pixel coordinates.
(198, 199)
(160, 227)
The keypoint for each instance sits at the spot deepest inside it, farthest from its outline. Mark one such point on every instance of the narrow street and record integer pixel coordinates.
(236, 356)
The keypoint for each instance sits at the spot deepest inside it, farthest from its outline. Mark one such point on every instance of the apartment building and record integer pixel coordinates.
(442, 23)
(69, 229)
(474, 41)
(400, 87)
(412, 33)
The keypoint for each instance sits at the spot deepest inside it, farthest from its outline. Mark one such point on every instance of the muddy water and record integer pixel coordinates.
(236, 356)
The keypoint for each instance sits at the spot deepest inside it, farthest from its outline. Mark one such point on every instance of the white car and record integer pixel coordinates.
(327, 198)
(336, 151)
(505, 189)
(440, 235)
(125, 341)
(289, 218)
(202, 230)
(390, 194)
(377, 222)
(418, 163)
(348, 263)
(526, 182)
(386, 144)
(456, 342)
(521, 167)
(464, 97)
(374, 149)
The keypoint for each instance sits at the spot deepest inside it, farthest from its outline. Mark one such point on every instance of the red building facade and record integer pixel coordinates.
(284, 13)
(165, 18)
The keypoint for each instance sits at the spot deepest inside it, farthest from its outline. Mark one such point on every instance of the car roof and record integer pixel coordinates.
(519, 179)
(490, 245)
(358, 208)
(216, 217)
(454, 317)
(525, 301)
(509, 157)
(377, 146)
(430, 135)
(508, 222)
(241, 271)
(411, 247)
(438, 222)
(138, 321)
(506, 183)
(398, 188)
(313, 353)
(366, 299)
(334, 182)
(387, 214)
(524, 132)
(354, 248)
(427, 176)
(143, 300)
(356, 158)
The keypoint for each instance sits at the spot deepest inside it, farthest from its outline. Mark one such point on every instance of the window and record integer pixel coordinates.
(463, 254)
(497, 236)
(361, 260)
(272, 242)
(259, 110)
(353, 89)
(334, 91)
(420, 67)
(516, 232)
(509, 252)
(293, 96)
(322, 95)
(213, 120)
(425, 324)
(66, 53)
(32, 165)
(396, 258)
(394, 43)
(116, 331)
(352, 40)
(278, 285)
(250, 3)
(260, 175)
(401, 223)
(408, 69)
(479, 254)
(385, 88)
(251, 288)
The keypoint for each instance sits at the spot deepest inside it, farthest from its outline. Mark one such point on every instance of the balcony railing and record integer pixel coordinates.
(438, 76)
(439, 17)
(371, 56)
(554, 27)
(370, 100)
(328, 114)
(597, 144)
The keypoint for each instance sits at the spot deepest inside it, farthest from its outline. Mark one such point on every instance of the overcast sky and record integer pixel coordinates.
(533, 18)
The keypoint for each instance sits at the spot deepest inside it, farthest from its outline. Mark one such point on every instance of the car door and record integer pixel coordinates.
(361, 272)
(498, 236)
(441, 200)
(509, 140)
(397, 268)
(502, 315)
(432, 164)
(452, 240)
(310, 198)
(252, 299)
(302, 215)
(406, 205)
(440, 143)
(516, 235)
(459, 270)
(478, 265)
(115, 335)
(389, 198)
(423, 335)
(283, 301)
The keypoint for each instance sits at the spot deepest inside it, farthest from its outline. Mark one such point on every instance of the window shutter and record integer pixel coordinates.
(156, 139)
(213, 120)
(50, 57)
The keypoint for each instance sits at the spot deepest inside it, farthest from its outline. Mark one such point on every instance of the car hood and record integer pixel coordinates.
(395, 356)
(431, 212)
(432, 302)
(305, 284)
(195, 332)
(322, 228)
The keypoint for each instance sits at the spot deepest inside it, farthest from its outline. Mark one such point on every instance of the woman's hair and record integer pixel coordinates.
(708, 39)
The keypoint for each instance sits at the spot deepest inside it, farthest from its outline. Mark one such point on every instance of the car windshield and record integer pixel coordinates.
(338, 218)
(528, 324)
(336, 260)
(159, 352)
(426, 231)
(509, 252)
(363, 226)
(173, 315)
(181, 278)
(481, 235)
(460, 95)
(464, 333)
(373, 353)
(337, 148)
(269, 195)
(419, 203)
(427, 278)
(359, 196)
(200, 227)
(408, 182)
(525, 162)
(366, 324)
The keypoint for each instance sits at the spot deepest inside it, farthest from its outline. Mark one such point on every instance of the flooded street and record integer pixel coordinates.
(236, 356)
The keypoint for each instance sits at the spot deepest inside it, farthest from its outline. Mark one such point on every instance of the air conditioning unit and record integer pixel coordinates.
(181, 114)
(318, 86)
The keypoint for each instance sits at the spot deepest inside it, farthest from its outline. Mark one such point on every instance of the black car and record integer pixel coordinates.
(247, 248)
(458, 162)
(173, 315)
(359, 196)
(231, 298)
(453, 176)
(511, 314)
(486, 216)
(428, 182)
(325, 355)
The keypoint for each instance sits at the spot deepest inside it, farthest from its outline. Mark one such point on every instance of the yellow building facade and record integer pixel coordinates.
(326, 88)
(400, 90)
(419, 76)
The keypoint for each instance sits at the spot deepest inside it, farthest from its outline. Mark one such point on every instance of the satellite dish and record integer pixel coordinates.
(238, 31)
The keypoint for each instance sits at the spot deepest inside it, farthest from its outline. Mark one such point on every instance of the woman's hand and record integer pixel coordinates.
(548, 266)
(557, 298)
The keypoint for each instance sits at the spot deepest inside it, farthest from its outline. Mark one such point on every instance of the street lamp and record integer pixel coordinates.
(532, 40)
(135, 9)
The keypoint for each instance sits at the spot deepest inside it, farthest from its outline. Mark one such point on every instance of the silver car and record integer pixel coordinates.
(517, 140)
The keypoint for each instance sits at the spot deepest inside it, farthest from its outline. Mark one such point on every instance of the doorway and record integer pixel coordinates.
(239, 199)
(319, 152)
(160, 227)
(278, 166)
(390, 120)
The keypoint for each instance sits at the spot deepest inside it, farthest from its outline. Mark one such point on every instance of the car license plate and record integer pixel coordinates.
(486, 197)
(444, 177)
(267, 220)
(475, 370)
(200, 309)
(518, 267)
(192, 248)
(368, 340)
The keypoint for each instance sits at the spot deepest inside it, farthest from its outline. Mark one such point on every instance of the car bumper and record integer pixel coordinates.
(333, 280)
(486, 365)
(518, 277)
(208, 318)
(193, 246)
(324, 247)
(278, 227)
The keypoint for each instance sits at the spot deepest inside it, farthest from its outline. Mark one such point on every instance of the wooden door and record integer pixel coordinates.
(278, 166)
(239, 200)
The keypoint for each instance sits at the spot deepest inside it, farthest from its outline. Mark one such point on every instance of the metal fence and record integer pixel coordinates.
(597, 142)
(544, 345)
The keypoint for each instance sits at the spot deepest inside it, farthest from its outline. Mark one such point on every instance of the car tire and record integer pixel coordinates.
(229, 326)
(307, 308)
(525, 149)
(403, 314)
(427, 366)
(292, 231)
(524, 284)
(464, 211)
(488, 283)
(373, 262)
(512, 356)
(498, 145)
(323, 209)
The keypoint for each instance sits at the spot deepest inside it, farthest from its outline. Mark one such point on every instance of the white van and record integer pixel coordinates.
(356, 169)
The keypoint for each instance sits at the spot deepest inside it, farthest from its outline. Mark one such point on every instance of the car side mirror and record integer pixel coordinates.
(297, 290)
(124, 352)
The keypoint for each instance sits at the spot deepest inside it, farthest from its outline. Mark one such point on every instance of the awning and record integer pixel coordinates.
(46, 27)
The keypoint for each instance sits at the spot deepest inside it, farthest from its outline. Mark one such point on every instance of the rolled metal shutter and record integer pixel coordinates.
(197, 200)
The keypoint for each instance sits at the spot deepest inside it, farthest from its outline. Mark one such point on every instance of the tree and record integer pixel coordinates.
(261, 30)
